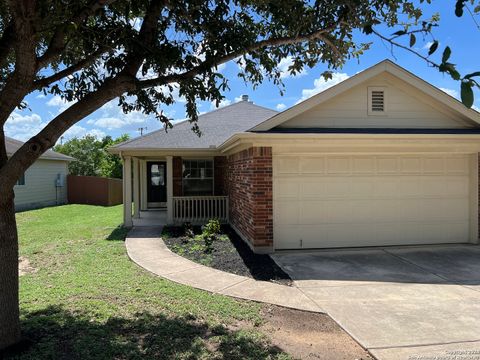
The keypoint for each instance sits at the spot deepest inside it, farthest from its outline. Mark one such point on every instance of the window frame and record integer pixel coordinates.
(371, 89)
(21, 181)
(212, 178)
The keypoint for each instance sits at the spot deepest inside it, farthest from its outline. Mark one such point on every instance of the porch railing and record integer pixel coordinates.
(200, 209)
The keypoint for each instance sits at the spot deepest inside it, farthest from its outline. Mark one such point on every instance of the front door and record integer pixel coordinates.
(156, 184)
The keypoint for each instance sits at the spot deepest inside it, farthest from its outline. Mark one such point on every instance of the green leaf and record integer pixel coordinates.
(466, 94)
(399, 33)
(476, 73)
(446, 54)
(413, 40)
(367, 29)
(459, 8)
(433, 47)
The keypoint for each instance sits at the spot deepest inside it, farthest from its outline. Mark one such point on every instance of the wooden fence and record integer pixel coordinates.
(94, 190)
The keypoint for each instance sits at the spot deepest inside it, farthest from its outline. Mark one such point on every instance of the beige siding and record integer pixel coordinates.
(39, 189)
(407, 107)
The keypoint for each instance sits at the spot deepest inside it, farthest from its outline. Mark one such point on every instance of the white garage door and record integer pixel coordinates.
(340, 201)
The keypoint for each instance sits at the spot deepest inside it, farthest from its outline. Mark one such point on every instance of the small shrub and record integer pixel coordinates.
(210, 233)
(188, 230)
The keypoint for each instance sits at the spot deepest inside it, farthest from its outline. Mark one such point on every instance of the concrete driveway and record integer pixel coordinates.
(399, 303)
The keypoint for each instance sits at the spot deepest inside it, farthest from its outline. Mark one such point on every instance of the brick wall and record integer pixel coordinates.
(250, 195)
(177, 176)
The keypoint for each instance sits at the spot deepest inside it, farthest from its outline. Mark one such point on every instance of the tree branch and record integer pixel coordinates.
(394, 43)
(40, 83)
(57, 42)
(29, 152)
(146, 37)
(162, 80)
(20, 81)
(6, 43)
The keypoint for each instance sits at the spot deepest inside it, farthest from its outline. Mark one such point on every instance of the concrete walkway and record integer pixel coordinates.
(146, 248)
(397, 303)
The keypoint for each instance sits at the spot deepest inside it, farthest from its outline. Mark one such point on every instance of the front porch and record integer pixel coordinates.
(154, 191)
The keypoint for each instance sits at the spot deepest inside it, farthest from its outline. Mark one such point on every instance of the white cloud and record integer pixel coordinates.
(58, 102)
(108, 123)
(280, 107)
(320, 85)
(223, 103)
(23, 127)
(427, 45)
(40, 96)
(78, 131)
(476, 108)
(283, 66)
(450, 92)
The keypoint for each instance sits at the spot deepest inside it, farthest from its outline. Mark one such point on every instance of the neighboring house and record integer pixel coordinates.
(382, 158)
(44, 183)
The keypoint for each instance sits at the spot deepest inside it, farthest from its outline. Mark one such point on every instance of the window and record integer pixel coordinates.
(377, 101)
(21, 180)
(197, 177)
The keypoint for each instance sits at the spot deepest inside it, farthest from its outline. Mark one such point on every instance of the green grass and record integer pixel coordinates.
(87, 300)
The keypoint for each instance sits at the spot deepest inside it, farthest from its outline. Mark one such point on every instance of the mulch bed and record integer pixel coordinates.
(228, 253)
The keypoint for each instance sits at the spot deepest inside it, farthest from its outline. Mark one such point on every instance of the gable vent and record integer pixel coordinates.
(376, 101)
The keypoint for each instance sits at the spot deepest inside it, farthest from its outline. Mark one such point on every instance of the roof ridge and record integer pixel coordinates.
(188, 120)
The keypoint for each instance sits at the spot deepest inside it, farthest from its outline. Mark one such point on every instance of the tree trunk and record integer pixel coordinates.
(9, 308)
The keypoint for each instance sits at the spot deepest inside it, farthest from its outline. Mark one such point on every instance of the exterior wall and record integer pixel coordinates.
(177, 176)
(40, 189)
(250, 196)
(406, 107)
(220, 175)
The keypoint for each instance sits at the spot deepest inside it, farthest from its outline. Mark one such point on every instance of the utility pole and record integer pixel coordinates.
(142, 129)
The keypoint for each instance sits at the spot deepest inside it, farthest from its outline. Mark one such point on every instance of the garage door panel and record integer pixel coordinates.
(287, 213)
(313, 212)
(374, 200)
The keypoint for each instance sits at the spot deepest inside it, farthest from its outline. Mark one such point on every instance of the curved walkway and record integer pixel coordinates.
(147, 249)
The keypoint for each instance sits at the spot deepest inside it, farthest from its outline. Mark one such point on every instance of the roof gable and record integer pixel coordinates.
(216, 127)
(411, 101)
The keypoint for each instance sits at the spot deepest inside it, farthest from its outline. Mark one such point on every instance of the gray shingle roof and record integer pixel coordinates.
(216, 127)
(13, 145)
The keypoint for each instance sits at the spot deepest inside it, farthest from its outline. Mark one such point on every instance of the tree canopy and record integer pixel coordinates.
(91, 156)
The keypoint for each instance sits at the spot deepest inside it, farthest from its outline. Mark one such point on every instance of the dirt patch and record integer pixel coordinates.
(307, 335)
(229, 253)
(24, 266)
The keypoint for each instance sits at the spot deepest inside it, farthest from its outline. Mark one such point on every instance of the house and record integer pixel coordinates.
(383, 158)
(43, 184)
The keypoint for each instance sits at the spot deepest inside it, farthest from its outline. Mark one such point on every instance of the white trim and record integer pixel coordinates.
(127, 192)
(474, 198)
(136, 189)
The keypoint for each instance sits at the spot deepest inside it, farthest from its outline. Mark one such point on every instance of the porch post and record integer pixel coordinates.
(169, 189)
(143, 187)
(136, 189)
(127, 191)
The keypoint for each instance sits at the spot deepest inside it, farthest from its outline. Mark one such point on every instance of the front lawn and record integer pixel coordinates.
(82, 298)
(86, 300)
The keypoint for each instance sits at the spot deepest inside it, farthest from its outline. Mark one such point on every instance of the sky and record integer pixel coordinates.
(461, 34)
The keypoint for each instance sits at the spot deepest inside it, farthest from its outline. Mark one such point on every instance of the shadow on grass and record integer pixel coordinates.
(118, 234)
(54, 333)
